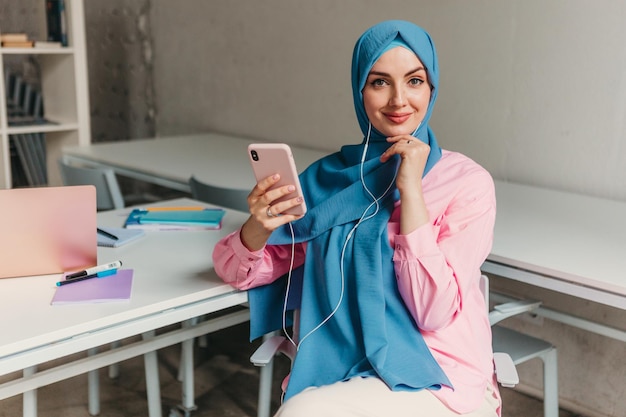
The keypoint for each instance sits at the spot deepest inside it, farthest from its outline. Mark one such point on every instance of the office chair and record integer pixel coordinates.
(225, 197)
(108, 193)
(522, 347)
(273, 344)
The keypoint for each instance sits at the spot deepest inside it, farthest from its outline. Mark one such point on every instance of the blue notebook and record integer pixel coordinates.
(124, 236)
(207, 219)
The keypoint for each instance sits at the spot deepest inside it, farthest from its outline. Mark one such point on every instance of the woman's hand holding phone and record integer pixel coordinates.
(277, 197)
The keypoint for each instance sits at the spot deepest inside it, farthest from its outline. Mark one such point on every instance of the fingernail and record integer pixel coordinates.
(291, 188)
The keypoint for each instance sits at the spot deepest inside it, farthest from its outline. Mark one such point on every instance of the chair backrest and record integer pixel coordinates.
(108, 193)
(484, 289)
(225, 197)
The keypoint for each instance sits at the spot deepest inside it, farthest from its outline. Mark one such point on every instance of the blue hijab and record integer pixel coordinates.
(371, 333)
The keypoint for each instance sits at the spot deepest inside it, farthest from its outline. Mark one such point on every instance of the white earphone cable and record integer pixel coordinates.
(364, 216)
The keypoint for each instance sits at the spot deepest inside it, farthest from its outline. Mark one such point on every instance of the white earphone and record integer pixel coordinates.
(362, 218)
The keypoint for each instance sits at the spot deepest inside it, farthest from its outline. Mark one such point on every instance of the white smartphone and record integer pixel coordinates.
(276, 158)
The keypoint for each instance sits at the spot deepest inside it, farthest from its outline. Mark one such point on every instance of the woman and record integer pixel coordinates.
(392, 318)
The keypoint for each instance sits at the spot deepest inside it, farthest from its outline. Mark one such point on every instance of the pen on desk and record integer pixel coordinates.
(94, 270)
(83, 278)
(107, 234)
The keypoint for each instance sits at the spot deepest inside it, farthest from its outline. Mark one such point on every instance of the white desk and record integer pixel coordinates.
(542, 237)
(564, 242)
(170, 161)
(575, 244)
(174, 281)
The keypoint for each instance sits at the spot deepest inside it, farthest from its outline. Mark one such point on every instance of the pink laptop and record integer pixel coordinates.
(47, 230)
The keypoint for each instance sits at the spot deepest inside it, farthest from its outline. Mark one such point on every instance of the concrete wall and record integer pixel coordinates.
(533, 90)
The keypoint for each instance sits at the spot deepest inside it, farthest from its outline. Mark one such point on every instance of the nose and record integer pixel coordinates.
(398, 97)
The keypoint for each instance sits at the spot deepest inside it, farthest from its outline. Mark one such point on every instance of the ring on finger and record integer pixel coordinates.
(269, 212)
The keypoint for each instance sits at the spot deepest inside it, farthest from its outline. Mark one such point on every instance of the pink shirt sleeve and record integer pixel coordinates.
(244, 269)
(439, 263)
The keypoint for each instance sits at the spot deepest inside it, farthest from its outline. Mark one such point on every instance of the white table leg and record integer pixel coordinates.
(93, 383)
(114, 370)
(29, 398)
(153, 387)
(187, 371)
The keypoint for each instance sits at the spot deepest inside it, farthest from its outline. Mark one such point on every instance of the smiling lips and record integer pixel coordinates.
(398, 118)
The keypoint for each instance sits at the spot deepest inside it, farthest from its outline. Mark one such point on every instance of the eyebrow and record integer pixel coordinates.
(384, 74)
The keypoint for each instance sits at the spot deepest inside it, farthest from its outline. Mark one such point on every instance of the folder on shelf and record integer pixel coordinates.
(124, 236)
(206, 219)
(112, 288)
(56, 20)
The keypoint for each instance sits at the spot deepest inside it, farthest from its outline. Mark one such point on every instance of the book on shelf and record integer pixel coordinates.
(31, 152)
(48, 44)
(15, 40)
(13, 37)
(175, 219)
(17, 44)
(57, 21)
(25, 108)
(28, 121)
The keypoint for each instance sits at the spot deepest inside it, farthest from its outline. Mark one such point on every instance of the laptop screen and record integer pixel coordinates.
(47, 230)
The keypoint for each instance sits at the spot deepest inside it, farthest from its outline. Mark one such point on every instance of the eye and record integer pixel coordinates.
(378, 82)
(416, 82)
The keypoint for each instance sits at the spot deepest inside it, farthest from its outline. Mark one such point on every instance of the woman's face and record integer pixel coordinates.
(396, 92)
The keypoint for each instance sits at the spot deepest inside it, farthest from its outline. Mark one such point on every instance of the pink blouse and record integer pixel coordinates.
(437, 269)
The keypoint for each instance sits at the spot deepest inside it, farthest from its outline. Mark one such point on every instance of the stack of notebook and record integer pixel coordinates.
(175, 218)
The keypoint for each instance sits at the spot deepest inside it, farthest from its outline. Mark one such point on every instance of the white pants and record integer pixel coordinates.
(370, 397)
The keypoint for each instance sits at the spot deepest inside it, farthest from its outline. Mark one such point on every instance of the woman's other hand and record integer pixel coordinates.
(413, 156)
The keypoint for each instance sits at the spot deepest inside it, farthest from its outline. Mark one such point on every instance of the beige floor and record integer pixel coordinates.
(226, 386)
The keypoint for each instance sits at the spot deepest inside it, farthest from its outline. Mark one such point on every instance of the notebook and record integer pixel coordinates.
(123, 236)
(47, 230)
(112, 288)
(205, 219)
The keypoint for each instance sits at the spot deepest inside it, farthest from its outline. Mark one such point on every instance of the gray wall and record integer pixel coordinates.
(119, 56)
(533, 90)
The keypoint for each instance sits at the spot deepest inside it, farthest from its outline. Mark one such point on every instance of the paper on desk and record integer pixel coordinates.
(124, 236)
(112, 288)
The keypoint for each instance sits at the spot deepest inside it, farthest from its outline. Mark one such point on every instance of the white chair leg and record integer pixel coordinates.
(153, 388)
(93, 387)
(265, 385)
(265, 390)
(29, 398)
(550, 384)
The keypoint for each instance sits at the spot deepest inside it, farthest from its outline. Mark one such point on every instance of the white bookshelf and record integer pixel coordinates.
(65, 95)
